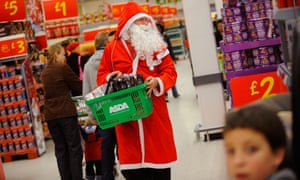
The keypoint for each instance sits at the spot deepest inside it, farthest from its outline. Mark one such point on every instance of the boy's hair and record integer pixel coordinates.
(259, 118)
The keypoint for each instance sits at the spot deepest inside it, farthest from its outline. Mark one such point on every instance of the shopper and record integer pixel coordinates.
(92, 150)
(89, 83)
(61, 114)
(111, 36)
(219, 32)
(256, 144)
(161, 29)
(146, 148)
(75, 60)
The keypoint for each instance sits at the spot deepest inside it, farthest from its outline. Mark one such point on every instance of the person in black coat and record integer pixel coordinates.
(161, 29)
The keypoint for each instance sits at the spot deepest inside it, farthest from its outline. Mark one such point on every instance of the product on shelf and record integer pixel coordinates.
(249, 30)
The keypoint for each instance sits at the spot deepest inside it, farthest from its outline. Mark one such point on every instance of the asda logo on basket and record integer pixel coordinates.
(118, 107)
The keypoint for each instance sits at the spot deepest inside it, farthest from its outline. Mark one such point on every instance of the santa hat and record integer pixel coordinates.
(72, 46)
(131, 12)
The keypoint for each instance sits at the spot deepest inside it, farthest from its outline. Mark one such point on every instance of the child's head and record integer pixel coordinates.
(255, 142)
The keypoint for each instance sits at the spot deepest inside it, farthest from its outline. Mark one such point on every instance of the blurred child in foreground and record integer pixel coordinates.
(256, 144)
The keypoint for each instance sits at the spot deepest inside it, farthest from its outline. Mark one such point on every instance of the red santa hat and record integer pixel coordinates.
(131, 12)
(72, 46)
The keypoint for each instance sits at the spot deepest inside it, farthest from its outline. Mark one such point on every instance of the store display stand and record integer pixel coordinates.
(20, 132)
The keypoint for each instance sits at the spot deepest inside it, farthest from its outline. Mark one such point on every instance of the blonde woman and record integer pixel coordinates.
(61, 114)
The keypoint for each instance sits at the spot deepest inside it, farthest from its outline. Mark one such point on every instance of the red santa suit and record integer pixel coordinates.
(148, 142)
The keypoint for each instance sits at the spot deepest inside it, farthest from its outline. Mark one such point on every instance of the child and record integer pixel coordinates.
(92, 151)
(255, 144)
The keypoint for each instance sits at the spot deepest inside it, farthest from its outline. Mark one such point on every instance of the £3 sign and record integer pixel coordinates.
(13, 46)
(12, 10)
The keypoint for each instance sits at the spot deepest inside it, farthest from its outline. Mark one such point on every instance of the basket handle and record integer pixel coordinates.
(109, 83)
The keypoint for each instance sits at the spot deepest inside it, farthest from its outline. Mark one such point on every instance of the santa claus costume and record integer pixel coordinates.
(146, 146)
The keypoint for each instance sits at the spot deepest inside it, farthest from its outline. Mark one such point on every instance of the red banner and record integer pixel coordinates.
(12, 10)
(172, 10)
(117, 9)
(155, 10)
(164, 10)
(146, 8)
(13, 46)
(90, 35)
(41, 41)
(246, 89)
(59, 9)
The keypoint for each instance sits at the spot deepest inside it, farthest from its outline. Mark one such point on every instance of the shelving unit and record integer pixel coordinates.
(20, 131)
(177, 41)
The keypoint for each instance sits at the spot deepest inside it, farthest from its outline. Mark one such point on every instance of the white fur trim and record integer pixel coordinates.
(108, 77)
(132, 19)
(161, 88)
(147, 165)
(142, 138)
(162, 54)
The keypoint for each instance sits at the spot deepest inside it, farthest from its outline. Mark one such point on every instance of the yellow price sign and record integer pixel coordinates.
(12, 10)
(19, 46)
(12, 6)
(246, 89)
(265, 82)
(61, 7)
(13, 47)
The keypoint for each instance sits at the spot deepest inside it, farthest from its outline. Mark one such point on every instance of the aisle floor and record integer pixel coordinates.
(197, 159)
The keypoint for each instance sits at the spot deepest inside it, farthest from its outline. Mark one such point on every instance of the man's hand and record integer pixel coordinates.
(115, 75)
(152, 83)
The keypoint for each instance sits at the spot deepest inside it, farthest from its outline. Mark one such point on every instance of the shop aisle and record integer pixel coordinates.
(197, 160)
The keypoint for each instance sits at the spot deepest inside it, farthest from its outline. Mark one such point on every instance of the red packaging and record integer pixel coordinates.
(281, 3)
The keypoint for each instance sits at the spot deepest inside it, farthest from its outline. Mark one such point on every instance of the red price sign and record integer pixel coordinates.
(117, 9)
(247, 89)
(146, 8)
(13, 46)
(155, 10)
(172, 10)
(59, 9)
(89, 35)
(164, 10)
(12, 10)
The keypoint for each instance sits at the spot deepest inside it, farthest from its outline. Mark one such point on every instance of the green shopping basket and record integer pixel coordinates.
(121, 106)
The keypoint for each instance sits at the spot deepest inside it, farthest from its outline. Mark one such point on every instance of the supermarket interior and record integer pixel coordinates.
(249, 59)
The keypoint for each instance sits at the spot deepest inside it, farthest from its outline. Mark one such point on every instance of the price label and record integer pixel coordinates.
(146, 8)
(155, 9)
(164, 10)
(89, 35)
(117, 9)
(12, 47)
(246, 89)
(172, 10)
(60, 9)
(12, 10)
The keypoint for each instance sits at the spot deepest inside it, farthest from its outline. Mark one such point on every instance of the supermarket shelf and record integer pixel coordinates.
(13, 58)
(247, 72)
(57, 40)
(250, 45)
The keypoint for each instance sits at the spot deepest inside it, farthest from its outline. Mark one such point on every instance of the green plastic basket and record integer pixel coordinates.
(121, 106)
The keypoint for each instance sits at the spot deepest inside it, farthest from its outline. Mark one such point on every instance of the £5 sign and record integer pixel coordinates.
(12, 10)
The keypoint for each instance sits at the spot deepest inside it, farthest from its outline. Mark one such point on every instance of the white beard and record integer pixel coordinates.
(146, 41)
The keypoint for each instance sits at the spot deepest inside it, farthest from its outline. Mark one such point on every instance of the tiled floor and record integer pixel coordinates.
(197, 160)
